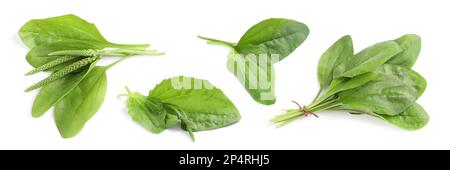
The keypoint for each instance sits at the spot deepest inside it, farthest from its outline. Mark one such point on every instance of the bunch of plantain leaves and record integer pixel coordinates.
(377, 81)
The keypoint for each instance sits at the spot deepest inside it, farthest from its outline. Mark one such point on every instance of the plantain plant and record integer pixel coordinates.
(378, 81)
(194, 103)
(69, 47)
(251, 60)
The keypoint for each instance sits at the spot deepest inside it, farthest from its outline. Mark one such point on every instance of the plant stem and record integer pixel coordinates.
(287, 117)
(314, 108)
(191, 135)
(290, 113)
(289, 120)
(130, 46)
(318, 94)
(128, 90)
(294, 114)
(218, 42)
(319, 101)
(129, 52)
(116, 62)
(86, 53)
(325, 107)
(114, 52)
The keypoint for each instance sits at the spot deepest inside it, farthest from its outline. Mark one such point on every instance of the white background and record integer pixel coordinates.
(172, 26)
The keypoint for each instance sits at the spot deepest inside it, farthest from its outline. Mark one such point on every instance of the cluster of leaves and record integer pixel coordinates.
(69, 47)
(251, 59)
(195, 104)
(377, 81)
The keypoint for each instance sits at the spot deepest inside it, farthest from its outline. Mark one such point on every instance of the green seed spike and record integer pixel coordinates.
(61, 73)
(87, 53)
(51, 64)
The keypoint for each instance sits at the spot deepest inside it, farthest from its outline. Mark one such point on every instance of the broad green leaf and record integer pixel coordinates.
(257, 76)
(368, 59)
(171, 121)
(413, 118)
(77, 107)
(203, 104)
(275, 36)
(410, 44)
(271, 41)
(38, 55)
(396, 89)
(335, 55)
(55, 91)
(148, 112)
(61, 29)
(67, 29)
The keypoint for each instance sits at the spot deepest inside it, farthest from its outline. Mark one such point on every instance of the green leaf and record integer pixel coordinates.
(77, 107)
(368, 59)
(257, 76)
(38, 55)
(410, 44)
(335, 55)
(55, 91)
(61, 29)
(343, 84)
(275, 36)
(148, 112)
(171, 121)
(413, 118)
(264, 44)
(204, 106)
(396, 89)
(66, 29)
